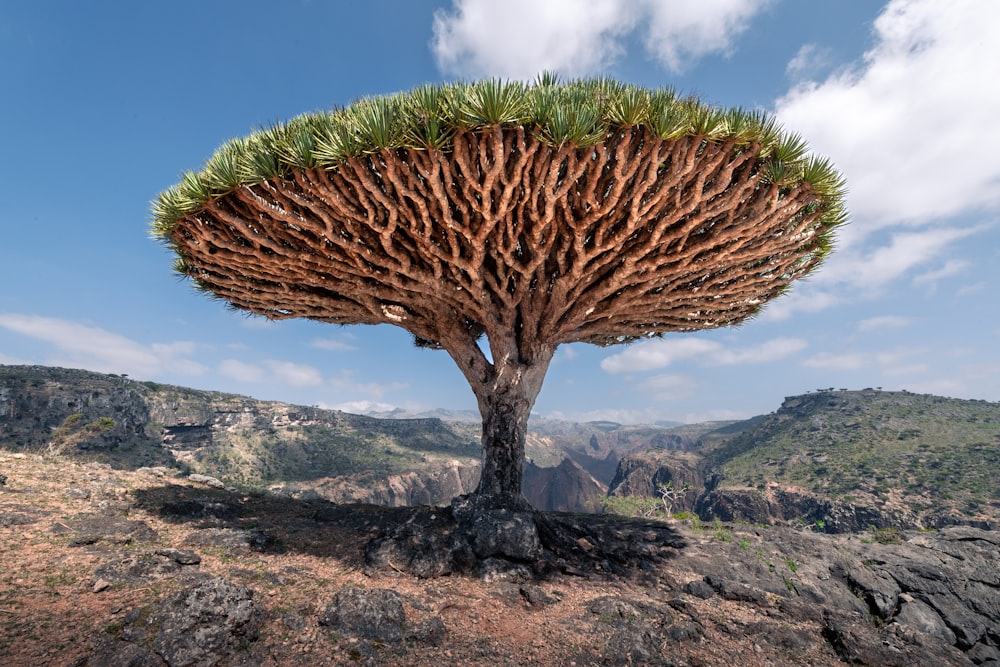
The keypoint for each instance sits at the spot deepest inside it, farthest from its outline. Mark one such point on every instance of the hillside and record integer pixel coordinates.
(292, 450)
(929, 456)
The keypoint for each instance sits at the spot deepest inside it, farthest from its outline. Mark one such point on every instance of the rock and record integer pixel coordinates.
(97, 528)
(566, 487)
(200, 508)
(8, 519)
(211, 623)
(206, 624)
(732, 590)
(429, 544)
(641, 474)
(535, 596)
(3, 479)
(496, 570)
(145, 567)
(879, 591)
(429, 633)
(111, 652)
(101, 585)
(685, 631)
(699, 588)
(374, 614)
(207, 480)
(180, 556)
(234, 539)
(922, 617)
(506, 534)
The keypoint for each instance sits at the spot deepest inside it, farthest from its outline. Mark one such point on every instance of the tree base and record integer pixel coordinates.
(469, 538)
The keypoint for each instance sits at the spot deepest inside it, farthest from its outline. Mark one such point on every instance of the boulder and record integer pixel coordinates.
(375, 614)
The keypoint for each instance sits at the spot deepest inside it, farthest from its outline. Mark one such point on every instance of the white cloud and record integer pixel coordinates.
(83, 346)
(974, 288)
(768, 351)
(296, 375)
(883, 322)
(888, 362)
(865, 271)
(348, 383)
(241, 371)
(13, 361)
(517, 39)
(669, 386)
(839, 362)
(913, 126)
(873, 268)
(658, 353)
(663, 352)
(809, 59)
(951, 267)
(685, 30)
(272, 371)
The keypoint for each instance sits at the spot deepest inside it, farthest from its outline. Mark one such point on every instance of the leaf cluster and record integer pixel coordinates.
(579, 113)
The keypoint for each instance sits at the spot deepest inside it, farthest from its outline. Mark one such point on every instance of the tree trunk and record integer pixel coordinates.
(505, 425)
(505, 389)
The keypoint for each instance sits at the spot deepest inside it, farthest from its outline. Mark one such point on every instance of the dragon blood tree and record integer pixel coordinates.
(534, 215)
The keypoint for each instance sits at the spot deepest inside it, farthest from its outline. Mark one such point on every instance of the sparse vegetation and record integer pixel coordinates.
(873, 445)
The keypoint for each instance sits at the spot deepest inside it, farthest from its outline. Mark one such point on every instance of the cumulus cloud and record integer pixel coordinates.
(685, 30)
(669, 387)
(658, 353)
(84, 346)
(663, 352)
(809, 59)
(911, 125)
(519, 38)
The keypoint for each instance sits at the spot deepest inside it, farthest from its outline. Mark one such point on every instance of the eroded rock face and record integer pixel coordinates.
(776, 505)
(642, 473)
(566, 487)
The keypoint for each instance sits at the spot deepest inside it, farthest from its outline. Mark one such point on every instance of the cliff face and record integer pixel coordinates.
(566, 487)
(57, 410)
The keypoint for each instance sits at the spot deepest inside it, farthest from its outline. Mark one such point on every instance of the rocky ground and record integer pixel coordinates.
(116, 568)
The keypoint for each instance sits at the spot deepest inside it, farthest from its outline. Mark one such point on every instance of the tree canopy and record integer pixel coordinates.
(536, 214)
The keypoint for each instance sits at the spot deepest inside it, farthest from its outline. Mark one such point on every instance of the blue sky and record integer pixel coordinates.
(104, 104)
